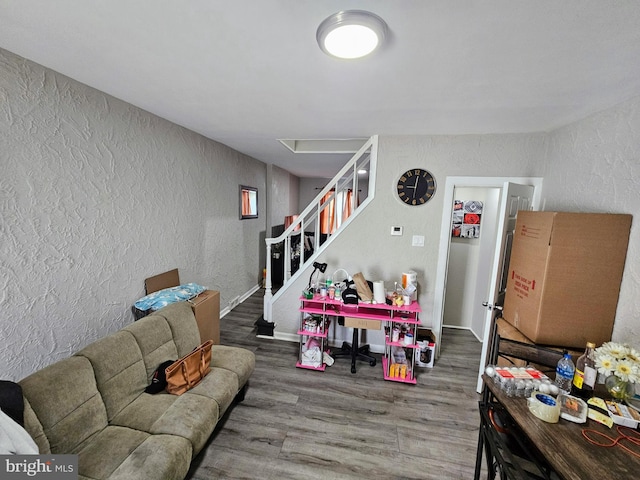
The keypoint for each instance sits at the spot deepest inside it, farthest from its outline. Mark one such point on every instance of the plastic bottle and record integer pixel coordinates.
(565, 371)
(584, 379)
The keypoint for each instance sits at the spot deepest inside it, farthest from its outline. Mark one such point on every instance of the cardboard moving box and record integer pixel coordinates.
(206, 306)
(564, 276)
(354, 322)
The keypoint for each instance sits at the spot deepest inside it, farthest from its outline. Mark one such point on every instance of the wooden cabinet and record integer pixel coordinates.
(314, 313)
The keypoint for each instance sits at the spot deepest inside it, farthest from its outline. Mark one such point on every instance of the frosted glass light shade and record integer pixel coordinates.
(351, 34)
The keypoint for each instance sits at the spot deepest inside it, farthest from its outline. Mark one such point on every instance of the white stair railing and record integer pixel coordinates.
(291, 243)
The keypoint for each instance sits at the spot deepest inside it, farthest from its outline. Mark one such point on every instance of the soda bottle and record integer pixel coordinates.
(584, 379)
(565, 371)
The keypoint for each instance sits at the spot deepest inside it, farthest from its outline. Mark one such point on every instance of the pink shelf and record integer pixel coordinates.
(409, 379)
(312, 334)
(411, 309)
(309, 367)
(400, 344)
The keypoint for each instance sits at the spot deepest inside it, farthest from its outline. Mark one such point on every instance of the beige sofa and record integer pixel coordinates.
(93, 404)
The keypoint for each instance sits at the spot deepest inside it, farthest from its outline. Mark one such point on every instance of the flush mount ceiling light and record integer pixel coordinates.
(351, 34)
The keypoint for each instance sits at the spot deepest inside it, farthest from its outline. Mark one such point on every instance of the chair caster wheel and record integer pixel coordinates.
(372, 363)
(353, 369)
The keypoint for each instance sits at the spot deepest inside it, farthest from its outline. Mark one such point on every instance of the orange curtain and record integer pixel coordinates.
(288, 220)
(327, 215)
(335, 213)
(246, 203)
(347, 207)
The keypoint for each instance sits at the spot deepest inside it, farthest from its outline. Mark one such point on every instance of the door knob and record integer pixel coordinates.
(490, 307)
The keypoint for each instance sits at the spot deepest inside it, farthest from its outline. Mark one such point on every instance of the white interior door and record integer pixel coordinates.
(514, 197)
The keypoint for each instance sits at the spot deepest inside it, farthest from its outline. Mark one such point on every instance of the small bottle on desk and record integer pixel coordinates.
(584, 379)
(564, 373)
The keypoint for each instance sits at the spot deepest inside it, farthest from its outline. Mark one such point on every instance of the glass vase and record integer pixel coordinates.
(619, 389)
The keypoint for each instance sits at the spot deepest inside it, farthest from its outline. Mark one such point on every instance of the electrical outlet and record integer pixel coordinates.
(234, 302)
(417, 241)
(396, 231)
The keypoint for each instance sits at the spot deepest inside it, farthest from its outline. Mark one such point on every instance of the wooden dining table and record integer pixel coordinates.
(563, 446)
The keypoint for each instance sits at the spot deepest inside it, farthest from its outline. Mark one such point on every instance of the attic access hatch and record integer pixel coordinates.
(335, 145)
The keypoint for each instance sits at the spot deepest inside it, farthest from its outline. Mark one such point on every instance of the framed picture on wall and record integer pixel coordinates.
(466, 219)
(248, 202)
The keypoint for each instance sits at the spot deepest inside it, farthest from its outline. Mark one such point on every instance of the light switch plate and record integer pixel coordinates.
(417, 241)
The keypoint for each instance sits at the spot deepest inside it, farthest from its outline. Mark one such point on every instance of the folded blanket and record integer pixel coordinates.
(156, 300)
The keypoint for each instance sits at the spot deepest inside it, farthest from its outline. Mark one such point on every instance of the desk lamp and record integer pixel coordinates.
(317, 266)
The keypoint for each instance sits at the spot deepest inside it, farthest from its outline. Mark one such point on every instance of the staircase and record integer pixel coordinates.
(312, 231)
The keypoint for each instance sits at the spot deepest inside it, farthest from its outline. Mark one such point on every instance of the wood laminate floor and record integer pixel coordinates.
(301, 424)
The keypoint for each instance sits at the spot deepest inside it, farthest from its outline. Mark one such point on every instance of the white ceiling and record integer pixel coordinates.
(248, 72)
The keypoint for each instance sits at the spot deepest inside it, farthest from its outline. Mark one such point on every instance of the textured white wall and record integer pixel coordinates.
(95, 196)
(594, 166)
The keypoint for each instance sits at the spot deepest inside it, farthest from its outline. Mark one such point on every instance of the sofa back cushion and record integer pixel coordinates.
(36, 430)
(184, 327)
(119, 369)
(155, 340)
(65, 399)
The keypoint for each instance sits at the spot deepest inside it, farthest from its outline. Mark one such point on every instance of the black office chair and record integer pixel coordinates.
(353, 350)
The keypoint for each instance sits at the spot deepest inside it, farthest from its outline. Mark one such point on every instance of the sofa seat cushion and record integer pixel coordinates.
(220, 385)
(119, 453)
(240, 361)
(189, 416)
(66, 403)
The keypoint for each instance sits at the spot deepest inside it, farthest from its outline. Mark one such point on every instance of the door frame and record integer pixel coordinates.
(445, 234)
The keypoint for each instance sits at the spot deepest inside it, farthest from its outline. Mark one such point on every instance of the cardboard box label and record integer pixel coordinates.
(522, 285)
(531, 232)
(355, 322)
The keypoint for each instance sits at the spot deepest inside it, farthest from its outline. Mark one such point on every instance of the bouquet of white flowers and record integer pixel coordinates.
(620, 360)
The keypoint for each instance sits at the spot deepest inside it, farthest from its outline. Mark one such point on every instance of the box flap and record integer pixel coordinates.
(534, 228)
(587, 229)
(162, 281)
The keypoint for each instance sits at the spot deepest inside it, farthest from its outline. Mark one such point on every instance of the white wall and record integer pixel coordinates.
(95, 196)
(594, 166)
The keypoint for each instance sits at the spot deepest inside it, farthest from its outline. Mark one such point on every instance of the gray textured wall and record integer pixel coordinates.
(95, 196)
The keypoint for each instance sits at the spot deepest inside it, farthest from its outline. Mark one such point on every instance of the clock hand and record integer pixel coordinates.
(415, 187)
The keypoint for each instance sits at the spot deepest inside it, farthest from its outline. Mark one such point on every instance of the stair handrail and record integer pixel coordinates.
(348, 174)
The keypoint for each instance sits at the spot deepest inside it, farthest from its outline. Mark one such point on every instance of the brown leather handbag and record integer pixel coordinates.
(186, 372)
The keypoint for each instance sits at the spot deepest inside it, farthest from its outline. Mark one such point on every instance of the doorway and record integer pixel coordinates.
(470, 254)
(485, 272)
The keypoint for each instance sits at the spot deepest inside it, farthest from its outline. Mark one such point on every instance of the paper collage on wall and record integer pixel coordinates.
(466, 219)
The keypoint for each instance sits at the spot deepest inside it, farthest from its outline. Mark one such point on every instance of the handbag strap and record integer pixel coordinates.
(203, 362)
(186, 376)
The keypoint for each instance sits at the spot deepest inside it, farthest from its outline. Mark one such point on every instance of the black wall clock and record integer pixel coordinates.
(416, 186)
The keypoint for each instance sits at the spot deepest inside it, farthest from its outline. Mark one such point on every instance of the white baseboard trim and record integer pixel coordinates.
(241, 299)
(457, 327)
